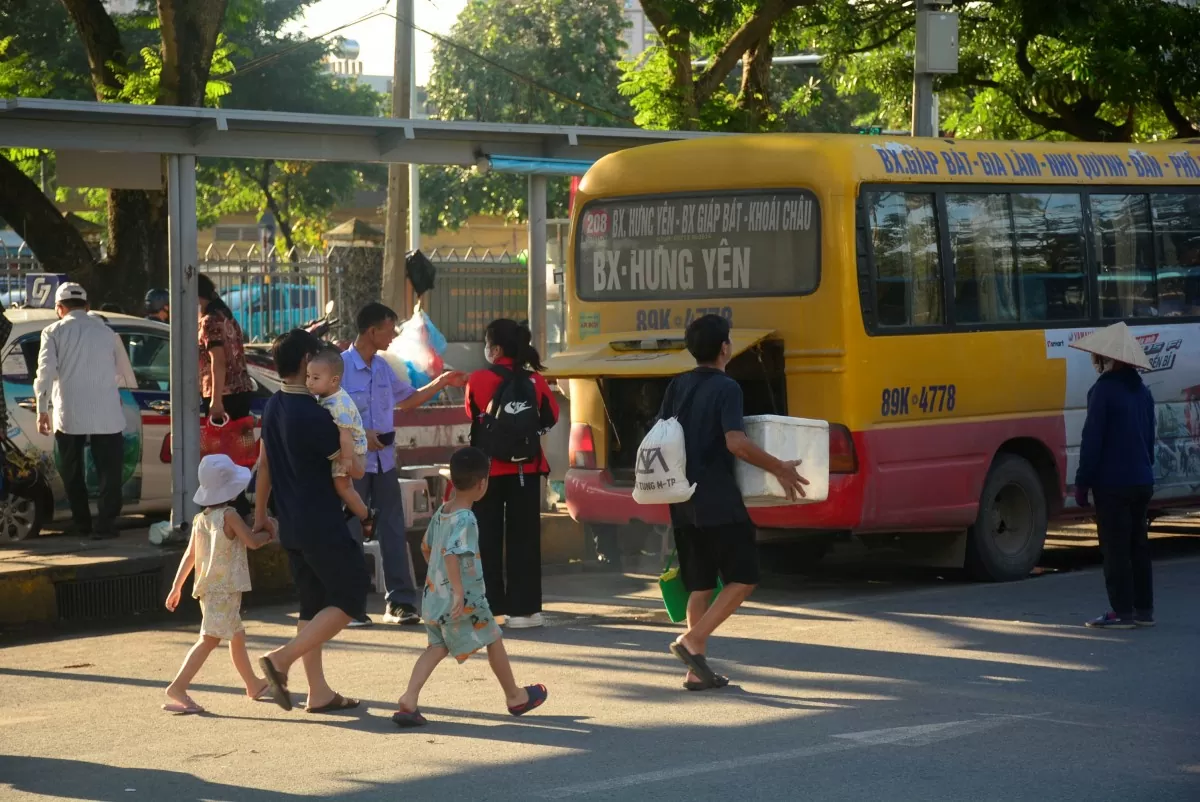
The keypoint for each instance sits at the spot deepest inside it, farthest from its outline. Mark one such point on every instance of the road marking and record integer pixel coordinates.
(919, 735)
(923, 734)
(692, 771)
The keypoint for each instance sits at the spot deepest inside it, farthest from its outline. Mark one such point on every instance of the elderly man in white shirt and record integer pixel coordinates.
(78, 368)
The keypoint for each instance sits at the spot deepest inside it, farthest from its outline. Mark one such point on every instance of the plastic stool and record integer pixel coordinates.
(371, 548)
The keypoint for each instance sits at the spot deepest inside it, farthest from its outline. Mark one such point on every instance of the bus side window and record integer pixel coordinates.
(1177, 224)
(985, 266)
(1050, 256)
(908, 273)
(1121, 237)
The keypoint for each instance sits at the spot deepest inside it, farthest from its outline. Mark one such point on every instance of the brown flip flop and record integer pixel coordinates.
(721, 682)
(277, 681)
(335, 705)
(695, 663)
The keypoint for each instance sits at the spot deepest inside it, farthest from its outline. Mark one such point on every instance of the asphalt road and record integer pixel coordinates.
(854, 683)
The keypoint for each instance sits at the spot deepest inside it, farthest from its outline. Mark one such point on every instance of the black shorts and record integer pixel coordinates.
(331, 574)
(729, 551)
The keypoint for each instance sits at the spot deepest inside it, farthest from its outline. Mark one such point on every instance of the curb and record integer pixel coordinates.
(45, 597)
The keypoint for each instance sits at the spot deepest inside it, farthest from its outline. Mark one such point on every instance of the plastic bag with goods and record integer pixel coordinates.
(416, 354)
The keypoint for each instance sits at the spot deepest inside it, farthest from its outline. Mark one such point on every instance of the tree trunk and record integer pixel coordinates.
(102, 41)
(189, 38)
(55, 242)
(139, 248)
(677, 41)
(358, 280)
(755, 95)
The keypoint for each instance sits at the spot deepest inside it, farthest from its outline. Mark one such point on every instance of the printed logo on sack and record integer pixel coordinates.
(646, 459)
(516, 407)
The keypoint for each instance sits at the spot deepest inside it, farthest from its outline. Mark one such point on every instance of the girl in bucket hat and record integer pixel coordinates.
(1116, 463)
(217, 551)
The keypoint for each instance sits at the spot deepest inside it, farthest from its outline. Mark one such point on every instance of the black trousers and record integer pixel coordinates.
(510, 544)
(1121, 518)
(108, 454)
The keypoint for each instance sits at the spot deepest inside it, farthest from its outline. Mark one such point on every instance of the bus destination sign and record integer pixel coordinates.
(699, 246)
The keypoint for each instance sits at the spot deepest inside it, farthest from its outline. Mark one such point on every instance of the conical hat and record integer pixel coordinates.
(1117, 343)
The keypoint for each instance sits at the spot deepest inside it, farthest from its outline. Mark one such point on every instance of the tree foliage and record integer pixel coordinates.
(75, 49)
(282, 74)
(1117, 70)
(1100, 70)
(165, 57)
(520, 61)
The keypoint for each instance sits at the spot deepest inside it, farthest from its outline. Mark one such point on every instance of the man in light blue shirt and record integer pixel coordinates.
(377, 392)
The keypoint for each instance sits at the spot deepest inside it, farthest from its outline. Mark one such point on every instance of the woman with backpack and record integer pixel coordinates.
(511, 406)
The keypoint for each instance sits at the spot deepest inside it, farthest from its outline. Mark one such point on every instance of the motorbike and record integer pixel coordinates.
(322, 327)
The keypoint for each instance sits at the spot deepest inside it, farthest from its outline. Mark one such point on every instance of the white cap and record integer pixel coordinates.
(220, 480)
(70, 291)
(1116, 343)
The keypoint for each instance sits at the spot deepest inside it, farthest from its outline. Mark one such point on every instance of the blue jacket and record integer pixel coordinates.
(1118, 434)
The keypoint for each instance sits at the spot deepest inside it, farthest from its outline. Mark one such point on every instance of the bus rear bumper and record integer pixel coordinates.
(593, 498)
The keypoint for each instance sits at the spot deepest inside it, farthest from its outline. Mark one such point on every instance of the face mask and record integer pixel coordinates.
(487, 354)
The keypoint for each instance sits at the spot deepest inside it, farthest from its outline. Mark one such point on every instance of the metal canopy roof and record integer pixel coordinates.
(87, 125)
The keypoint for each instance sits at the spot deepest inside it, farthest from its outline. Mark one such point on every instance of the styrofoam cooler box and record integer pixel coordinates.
(788, 439)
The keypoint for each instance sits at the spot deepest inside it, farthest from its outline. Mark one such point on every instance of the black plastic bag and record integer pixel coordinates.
(421, 272)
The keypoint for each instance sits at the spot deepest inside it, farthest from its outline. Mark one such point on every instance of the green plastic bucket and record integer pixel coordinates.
(675, 595)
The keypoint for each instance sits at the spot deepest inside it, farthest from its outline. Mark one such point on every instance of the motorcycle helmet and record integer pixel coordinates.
(157, 300)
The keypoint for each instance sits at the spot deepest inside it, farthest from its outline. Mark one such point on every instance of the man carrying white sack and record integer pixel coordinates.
(713, 532)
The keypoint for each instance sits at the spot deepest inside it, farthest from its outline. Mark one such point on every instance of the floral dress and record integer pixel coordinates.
(222, 574)
(456, 533)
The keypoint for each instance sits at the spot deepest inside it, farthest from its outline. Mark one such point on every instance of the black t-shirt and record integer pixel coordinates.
(300, 437)
(714, 409)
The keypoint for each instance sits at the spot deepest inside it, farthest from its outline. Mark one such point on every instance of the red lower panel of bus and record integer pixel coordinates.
(912, 478)
(930, 477)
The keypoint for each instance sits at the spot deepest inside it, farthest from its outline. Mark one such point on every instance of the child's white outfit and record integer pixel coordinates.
(222, 574)
(346, 415)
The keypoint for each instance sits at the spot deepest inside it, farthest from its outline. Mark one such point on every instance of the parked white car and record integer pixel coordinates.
(147, 470)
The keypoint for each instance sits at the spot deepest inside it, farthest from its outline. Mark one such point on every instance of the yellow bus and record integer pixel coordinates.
(918, 294)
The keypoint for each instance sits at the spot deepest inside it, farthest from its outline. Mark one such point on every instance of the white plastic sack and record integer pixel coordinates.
(660, 473)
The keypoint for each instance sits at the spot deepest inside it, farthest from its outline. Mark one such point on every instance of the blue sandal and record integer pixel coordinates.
(537, 695)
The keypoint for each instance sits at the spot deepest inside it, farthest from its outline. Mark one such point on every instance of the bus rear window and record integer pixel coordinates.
(724, 245)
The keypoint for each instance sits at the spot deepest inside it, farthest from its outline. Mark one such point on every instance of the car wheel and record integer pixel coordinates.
(1010, 531)
(20, 518)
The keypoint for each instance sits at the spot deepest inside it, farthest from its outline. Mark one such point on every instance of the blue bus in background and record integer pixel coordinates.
(265, 310)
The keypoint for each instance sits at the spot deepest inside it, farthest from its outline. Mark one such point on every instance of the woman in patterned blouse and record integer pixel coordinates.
(224, 381)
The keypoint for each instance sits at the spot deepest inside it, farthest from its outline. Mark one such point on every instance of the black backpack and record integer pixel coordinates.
(510, 428)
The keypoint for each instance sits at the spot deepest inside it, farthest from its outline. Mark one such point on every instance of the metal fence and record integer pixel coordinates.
(14, 264)
(273, 291)
(474, 288)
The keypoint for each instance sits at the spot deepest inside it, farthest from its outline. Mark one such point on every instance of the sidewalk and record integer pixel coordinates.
(62, 580)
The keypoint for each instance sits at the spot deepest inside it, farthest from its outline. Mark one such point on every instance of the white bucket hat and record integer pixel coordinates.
(220, 480)
(1117, 343)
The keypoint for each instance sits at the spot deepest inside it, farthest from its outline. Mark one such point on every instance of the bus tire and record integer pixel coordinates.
(1010, 528)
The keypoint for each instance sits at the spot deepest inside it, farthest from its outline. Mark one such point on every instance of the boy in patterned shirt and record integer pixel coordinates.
(454, 605)
(324, 380)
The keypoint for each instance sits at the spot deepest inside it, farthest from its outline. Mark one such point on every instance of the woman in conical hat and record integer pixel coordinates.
(1115, 343)
(1116, 463)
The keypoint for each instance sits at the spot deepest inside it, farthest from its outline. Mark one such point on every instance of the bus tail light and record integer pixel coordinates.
(581, 450)
(842, 456)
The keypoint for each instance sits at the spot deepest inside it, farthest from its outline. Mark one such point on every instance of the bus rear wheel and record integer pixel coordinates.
(1010, 528)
